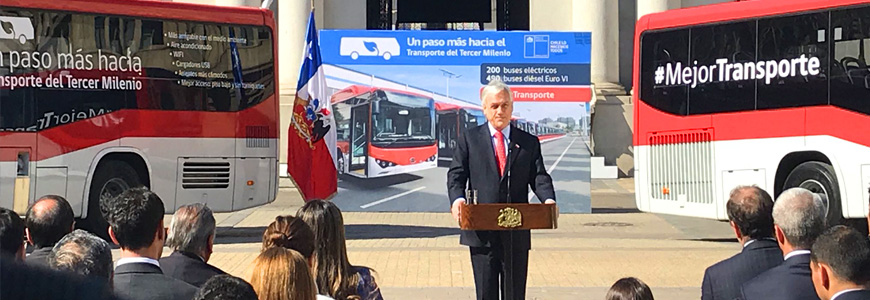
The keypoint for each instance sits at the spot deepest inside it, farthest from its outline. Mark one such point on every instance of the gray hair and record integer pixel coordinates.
(801, 216)
(191, 227)
(495, 87)
(82, 253)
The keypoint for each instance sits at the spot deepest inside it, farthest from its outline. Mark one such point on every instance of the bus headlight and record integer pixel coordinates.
(432, 158)
(384, 164)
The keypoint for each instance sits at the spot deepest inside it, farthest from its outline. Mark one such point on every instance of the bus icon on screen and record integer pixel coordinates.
(369, 46)
(16, 28)
(537, 46)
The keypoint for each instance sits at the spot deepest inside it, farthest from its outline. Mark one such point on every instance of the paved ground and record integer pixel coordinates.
(566, 158)
(418, 256)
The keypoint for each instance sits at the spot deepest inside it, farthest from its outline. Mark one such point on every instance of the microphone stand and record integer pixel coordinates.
(509, 256)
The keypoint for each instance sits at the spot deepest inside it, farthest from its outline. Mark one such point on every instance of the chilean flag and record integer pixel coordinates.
(311, 151)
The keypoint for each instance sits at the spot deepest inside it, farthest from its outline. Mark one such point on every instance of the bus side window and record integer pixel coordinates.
(850, 74)
(658, 49)
(734, 42)
(787, 38)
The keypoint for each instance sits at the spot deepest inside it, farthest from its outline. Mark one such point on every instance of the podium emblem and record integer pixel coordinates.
(510, 217)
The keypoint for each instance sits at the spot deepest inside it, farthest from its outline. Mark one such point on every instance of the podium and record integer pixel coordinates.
(507, 216)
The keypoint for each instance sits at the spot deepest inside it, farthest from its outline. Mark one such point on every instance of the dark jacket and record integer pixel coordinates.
(792, 280)
(474, 161)
(722, 281)
(144, 281)
(39, 257)
(854, 295)
(189, 268)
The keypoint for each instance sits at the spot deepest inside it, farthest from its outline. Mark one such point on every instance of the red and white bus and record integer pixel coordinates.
(100, 96)
(453, 121)
(382, 131)
(770, 93)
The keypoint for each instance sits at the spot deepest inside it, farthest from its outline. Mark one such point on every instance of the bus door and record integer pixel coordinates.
(447, 124)
(359, 139)
(17, 149)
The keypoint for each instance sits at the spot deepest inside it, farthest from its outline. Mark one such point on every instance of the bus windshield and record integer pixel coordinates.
(403, 120)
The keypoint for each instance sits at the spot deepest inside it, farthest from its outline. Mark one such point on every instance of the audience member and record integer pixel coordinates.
(11, 234)
(629, 288)
(283, 274)
(292, 233)
(191, 236)
(82, 253)
(21, 281)
(336, 277)
(750, 210)
(840, 263)
(226, 287)
(46, 221)
(799, 218)
(136, 224)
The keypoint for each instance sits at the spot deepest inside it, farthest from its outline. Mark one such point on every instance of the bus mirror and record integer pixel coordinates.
(376, 107)
(403, 112)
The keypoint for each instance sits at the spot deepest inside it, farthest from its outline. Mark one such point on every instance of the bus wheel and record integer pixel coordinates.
(819, 178)
(110, 179)
(340, 163)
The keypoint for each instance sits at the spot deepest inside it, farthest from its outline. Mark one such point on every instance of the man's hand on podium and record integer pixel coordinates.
(551, 201)
(454, 209)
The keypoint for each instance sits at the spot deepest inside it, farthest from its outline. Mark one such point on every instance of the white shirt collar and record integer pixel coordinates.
(796, 253)
(843, 292)
(506, 131)
(753, 241)
(137, 260)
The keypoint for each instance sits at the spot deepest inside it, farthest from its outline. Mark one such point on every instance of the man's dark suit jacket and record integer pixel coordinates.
(189, 268)
(144, 281)
(39, 257)
(792, 280)
(854, 295)
(21, 281)
(722, 281)
(474, 160)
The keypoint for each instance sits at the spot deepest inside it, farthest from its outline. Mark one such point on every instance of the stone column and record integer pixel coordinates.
(592, 16)
(652, 6)
(292, 26)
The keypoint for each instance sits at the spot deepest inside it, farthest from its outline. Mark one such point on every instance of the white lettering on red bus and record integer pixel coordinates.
(722, 71)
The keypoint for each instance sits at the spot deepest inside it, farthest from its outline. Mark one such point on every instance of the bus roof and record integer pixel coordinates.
(354, 90)
(728, 11)
(154, 9)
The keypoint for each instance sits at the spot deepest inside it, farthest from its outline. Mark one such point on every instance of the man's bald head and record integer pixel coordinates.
(751, 210)
(48, 220)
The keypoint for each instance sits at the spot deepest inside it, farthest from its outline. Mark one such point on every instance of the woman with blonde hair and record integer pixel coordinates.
(283, 274)
(335, 276)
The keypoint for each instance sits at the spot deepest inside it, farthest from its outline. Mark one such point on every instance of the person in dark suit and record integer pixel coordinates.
(11, 234)
(840, 262)
(135, 220)
(500, 162)
(191, 236)
(83, 253)
(750, 210)
(47, 221)
(22, 281)
(799, 218)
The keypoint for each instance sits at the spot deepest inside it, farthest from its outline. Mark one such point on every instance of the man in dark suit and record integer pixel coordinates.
(11, 235)
(840, 263)
(500, 162)
(83, 253)
(191, 236)
(750, 210)
(136, 224)
(799, 218)
(47, 221)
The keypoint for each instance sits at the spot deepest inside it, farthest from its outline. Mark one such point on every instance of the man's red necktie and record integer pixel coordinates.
(499, 152)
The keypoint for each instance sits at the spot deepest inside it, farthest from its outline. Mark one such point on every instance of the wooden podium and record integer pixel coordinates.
(507, 216)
